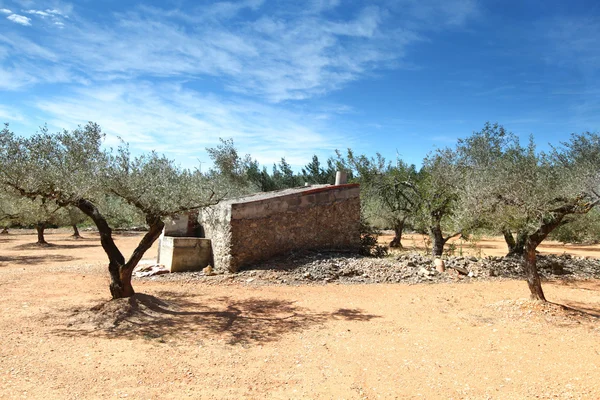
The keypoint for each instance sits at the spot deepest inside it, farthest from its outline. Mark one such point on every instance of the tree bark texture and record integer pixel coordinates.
(76, 234)
(509, 239)
(126, 270)
(40, 227)
(120, 271)
(530, 259)
(397, 240)
(515, 247)
(115, 258)
(438, 241)
(531, 272)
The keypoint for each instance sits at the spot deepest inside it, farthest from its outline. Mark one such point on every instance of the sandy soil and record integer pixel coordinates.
(489, 246)
(238, 341)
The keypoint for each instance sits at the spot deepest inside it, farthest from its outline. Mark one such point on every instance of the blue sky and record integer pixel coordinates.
(296, 78)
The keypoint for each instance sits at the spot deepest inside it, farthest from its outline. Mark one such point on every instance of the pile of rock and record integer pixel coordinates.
(408, 268)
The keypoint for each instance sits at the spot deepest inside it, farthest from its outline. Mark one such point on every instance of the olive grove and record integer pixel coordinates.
(72, 169)
(515, 188)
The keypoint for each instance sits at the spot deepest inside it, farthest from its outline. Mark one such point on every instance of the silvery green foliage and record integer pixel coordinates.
(582, 229)
(231, 174)
(69, 166)
(61, 167)
(388, 196)
(517, 187)
(155, 185)
(438, 188)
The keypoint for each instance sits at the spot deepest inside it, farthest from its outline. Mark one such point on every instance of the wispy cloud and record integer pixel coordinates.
(176, 80)
(152, 117)
(574, 41)
(275, 54)
(19, 19)
(47, 13)
(10, 114)
(5, 11)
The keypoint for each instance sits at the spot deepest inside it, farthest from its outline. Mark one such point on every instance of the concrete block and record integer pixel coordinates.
(185, 253)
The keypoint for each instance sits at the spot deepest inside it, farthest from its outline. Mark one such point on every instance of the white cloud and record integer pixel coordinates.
(19, 19)
(38, 12)
(277, 53)
(5, 11)
(181, 123)
(47, 13)
(8, 114)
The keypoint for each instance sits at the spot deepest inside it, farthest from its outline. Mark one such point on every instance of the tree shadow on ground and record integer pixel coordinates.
(580, 309)
(234, 321)
(53, 246)
(81, 239)
(28, 260)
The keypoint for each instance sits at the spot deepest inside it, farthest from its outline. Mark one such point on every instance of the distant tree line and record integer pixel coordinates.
(487, 183)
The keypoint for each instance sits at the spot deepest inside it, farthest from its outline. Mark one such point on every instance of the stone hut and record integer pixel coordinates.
(255, 228)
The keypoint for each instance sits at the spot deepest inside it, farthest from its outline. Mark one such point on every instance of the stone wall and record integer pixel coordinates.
(256, 228)
(215, 222)
(323, 218)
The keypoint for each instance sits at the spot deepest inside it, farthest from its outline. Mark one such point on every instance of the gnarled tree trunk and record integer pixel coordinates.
(120, 271)
(530, 259)
(515, 247)
(531, 272)
(438, 240)
(75, 234)
(398, 228)
(40, 227)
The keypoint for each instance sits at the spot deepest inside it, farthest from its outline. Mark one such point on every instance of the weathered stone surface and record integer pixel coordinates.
(216, 223)
(254, 229)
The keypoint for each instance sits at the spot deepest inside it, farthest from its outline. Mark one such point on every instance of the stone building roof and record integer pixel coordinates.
(286, 192)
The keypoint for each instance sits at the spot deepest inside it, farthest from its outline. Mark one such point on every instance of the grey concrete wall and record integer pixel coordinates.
(185, 253)
(183, 225)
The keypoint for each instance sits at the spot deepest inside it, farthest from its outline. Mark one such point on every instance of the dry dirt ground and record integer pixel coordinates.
(61, 340)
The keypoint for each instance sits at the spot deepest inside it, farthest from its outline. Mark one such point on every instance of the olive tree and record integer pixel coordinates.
(480, 157)
(535, 193)
(72, 169)
(387, 191)
(438, 190)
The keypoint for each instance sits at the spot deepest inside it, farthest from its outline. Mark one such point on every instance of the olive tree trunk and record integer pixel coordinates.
(76, 234)
(398, 229)
(40, 228)
(119, 270)
(530, 260)
(515, 247)
(438, 240)
(531, 272)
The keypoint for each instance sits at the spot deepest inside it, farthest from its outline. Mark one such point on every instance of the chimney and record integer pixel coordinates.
(341, 178)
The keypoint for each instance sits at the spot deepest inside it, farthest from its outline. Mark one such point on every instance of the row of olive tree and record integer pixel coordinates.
(488, 182)
(71, 169)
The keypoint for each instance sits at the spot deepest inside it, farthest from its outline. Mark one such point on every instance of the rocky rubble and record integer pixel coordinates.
(411, 268)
